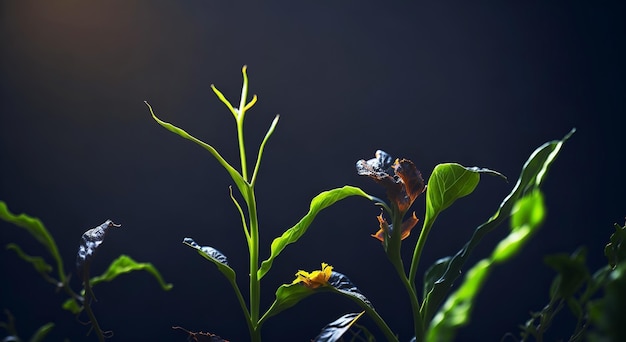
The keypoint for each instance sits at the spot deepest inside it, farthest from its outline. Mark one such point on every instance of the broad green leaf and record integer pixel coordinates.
(448, 183)
(37, 230)
(528, 214)
(334, 330)
(242, 185)
(287, 295)
(214, 256)
(125, 264)
(38, 262)
(440, 277)
(42, 332)
(291, 235)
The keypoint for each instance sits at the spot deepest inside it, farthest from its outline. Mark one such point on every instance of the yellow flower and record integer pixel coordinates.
(316, 278)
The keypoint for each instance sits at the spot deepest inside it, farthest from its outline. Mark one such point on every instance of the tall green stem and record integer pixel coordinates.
(393, 252)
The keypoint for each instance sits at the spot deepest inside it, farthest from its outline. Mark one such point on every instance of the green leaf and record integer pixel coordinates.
(72, 306)
(42, 332)
(334, 330)
(125, 264)
(242, 185)
(572, 272)
(607, 314)
(448, 183)
(456, 310)
(214, 256)
(287, 295)
(528, 214)
(37, 230)
(440, 277)
(291, 235)
(38, 262)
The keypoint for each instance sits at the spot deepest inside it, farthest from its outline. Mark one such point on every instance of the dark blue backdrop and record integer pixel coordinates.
(480, 84)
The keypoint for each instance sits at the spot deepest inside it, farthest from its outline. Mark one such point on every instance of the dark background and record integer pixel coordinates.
(480, 84)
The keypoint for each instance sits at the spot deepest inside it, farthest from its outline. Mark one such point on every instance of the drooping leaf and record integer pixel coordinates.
(42, 332)
(125, 264)
(449, 182)
(37, 230)
(214, 256)
(38, 263)
(343, 285)
(440, 277)
(528, 214)
(291, 235)
(90, 241)
(242, 185)
(334, 330)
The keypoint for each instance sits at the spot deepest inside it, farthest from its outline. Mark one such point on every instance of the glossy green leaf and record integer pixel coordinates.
(125, 264)
(291, 235)
(334, 330)
(214, 256)
(38, 263)
(528, 214)
(456, 310)
(242, 185)
(448, 183)
(440, 277)
(287, 295)
(42, 332)
(37, 230)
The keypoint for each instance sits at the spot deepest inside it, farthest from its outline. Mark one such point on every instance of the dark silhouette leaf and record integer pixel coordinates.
(214, 256)
(334, 330)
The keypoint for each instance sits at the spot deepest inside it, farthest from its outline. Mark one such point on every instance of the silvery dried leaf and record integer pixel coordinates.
(90, 241)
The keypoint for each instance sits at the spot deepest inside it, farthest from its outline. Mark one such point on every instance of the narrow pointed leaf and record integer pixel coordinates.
(334, 330)
(125, 264)
(291, 235)
(42, 332)
(90, 241)
(37, 230)
(234, 174)
(214, 256)
(440, 277)
(38, 263)
(528, 214)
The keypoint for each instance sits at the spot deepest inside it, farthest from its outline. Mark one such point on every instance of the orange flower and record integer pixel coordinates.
(386, 228)
(316, 278)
